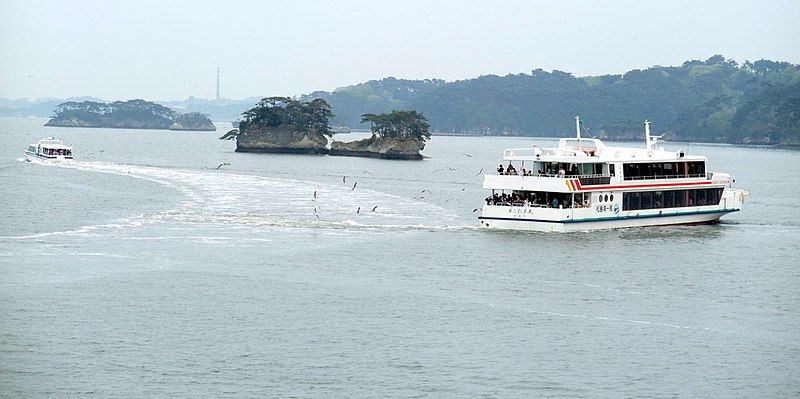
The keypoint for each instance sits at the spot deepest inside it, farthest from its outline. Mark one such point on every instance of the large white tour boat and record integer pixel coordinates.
(585, 185)
(49, 148)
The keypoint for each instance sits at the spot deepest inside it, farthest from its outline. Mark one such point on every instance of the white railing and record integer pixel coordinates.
(537, 152)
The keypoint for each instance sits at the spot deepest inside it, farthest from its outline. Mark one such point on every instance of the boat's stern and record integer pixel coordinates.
(733, 198)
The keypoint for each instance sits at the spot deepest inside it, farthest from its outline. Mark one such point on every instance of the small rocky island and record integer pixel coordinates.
(288, 126)
(133, 114)
(282, 125)
(397, 135)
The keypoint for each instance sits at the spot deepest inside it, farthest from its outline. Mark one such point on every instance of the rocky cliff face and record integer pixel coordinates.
(281, 140)
(375, 147)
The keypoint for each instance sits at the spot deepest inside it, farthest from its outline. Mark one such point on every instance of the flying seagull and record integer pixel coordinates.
(478, 174)
(358, 210)
(344, 179)
(374, 208)
(354, 186)
(223, 164)
(476, 210)
(467, 155)
(315, 194)
(457, 169)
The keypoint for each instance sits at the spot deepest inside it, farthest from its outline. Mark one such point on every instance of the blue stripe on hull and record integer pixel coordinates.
(605, 219)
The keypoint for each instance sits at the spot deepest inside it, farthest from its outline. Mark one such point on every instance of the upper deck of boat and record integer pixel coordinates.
(52, 143)
(578, 150)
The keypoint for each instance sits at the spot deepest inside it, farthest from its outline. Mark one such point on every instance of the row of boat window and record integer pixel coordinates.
(631, 171)
(56, 151)
(670, 199)
(539, 199)
(557, 169)
(663, 170)
(631, 201)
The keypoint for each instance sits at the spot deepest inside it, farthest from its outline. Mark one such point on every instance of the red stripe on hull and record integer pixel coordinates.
(581, 188)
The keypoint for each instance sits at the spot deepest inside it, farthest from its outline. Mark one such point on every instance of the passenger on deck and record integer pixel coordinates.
(561, 172)
(510, 170)
(555, 202)
(500, 169)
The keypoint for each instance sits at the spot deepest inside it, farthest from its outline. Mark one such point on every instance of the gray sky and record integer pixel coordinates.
(162, 50)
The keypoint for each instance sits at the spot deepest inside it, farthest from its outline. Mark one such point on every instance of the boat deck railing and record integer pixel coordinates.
(535, 152)
(591, 180)
(707, 176)
(586, 180)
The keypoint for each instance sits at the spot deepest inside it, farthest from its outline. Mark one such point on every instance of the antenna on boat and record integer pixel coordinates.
(650, 141)
(578, 126)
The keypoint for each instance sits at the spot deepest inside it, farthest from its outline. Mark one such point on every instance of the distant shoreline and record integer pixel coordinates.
(627, 140)
(125, 128)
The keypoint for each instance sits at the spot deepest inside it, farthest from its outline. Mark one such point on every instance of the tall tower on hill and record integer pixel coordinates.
(217, 83)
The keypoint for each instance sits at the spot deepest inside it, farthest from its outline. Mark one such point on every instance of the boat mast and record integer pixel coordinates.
(650, 140)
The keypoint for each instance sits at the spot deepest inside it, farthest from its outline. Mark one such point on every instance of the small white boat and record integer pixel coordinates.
(49, 148)
(584, 185)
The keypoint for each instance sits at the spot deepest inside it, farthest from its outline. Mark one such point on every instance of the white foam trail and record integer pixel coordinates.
(214, 197)
(99, 254)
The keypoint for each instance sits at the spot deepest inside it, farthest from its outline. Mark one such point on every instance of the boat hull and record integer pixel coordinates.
(32, 156)
(698, 217)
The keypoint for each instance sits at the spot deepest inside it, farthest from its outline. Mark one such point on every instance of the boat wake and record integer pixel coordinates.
(217, 198)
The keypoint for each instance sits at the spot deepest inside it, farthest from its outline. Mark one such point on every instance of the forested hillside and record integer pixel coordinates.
(716, 100)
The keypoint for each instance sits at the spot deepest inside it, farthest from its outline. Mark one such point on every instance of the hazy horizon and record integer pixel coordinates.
(169, 52)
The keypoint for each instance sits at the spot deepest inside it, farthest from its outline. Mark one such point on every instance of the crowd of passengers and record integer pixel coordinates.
(533, 200)
(548, 171)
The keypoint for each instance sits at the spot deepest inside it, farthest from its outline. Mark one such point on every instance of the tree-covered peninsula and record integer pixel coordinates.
(396, 135)
(715, 100)
(133, 114)
(284, 125)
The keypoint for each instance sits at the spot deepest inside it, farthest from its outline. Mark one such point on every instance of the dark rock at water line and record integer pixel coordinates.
(380, 147)
(284, 139)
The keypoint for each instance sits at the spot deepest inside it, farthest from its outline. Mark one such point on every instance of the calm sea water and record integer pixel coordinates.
(142, 270)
